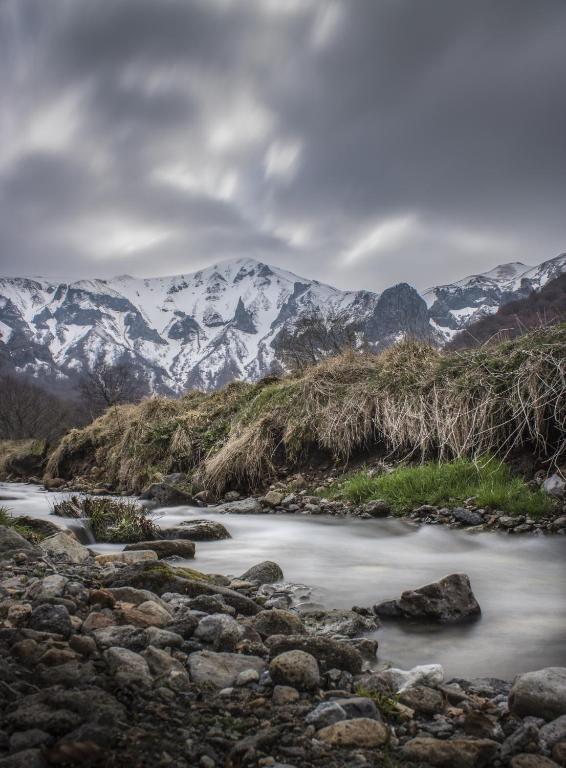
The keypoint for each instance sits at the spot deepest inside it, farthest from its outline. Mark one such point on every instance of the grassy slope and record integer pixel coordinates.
(411, 399)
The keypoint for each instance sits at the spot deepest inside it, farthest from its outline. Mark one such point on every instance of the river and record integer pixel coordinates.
(519, 581)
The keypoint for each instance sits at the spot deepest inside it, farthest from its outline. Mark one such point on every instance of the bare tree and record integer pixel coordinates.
(315, 336)
(28, 411)
(105, 386)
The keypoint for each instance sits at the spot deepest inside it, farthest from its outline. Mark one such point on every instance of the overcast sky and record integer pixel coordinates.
(359, 142)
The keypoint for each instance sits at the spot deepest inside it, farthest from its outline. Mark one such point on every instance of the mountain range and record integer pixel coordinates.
(226, 322)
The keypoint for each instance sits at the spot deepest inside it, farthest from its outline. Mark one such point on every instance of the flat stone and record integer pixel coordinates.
(163, 548)
(532, 761)
(126, 557)
(361, 732)
(541, 693)
(221, 669)
(456, 753)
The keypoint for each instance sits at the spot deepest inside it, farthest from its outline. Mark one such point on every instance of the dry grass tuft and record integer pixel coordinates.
(412, 399)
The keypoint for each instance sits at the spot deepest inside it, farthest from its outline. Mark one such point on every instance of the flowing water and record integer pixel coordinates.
(519, 581)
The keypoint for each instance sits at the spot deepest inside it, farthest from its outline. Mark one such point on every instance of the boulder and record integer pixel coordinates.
(267, 572)
(127, 666)
(332, 654)
(422, 699)
(467, 516)
(362, 732)
(541, 693)
(51, 618)
(167, 495)
(277, 622)
(11, 543)
(272, 499)
(240, 507)
(148, 614)
(63, 543)
(555, 486)
(182, 548)
(198, 530)
(553, 732)
(296, 669)
(456, 753)
(449, 600)
(219, 629)
(221, 669)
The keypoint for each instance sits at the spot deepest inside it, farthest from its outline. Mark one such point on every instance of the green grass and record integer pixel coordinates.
(13, 522)
(110, 520)
(447, 484)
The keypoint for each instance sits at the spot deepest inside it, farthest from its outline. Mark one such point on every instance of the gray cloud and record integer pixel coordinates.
(359, 143)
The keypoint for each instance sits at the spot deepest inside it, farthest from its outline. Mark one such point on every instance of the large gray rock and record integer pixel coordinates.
(11, 543)
(296, 669)
(182, 548)
(555, 486)
(332, 654)
(241, 507)
(221, 669)
(220, 630)
(51, 618)
(198, 530)
(448, 600)
(541, 693)
(63, 543)
(267, 572)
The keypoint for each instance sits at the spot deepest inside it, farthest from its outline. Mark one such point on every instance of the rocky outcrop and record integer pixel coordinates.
(448, 600)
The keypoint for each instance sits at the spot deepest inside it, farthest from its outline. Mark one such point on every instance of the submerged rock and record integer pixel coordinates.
(163, 548)
(198, 530)
(448, 600)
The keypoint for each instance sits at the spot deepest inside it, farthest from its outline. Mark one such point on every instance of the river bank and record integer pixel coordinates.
(106, 662)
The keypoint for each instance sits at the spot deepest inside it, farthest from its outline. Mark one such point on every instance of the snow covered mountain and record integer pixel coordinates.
(457, 305)
(196, 330)
(224, 322)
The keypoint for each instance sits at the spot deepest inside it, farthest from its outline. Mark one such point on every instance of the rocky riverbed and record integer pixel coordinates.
(120, 658)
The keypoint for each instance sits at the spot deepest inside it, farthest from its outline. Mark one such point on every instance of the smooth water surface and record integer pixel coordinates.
(519, 581)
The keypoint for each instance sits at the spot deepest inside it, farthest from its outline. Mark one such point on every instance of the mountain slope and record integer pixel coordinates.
(455, 306)
(196, 330)
(227, 321)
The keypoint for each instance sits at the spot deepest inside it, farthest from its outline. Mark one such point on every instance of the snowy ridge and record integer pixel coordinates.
(206, 328)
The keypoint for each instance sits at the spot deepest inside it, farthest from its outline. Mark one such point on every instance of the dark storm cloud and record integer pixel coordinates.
(360, 143)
